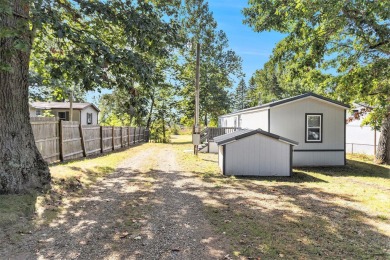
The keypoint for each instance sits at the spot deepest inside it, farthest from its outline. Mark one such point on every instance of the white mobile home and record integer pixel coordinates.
(254, 153)
(315, 122)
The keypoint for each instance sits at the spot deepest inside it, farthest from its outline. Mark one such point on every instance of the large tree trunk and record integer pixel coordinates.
(21, 165)
(383, 150)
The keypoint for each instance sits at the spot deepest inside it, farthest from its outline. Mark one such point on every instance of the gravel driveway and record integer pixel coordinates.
(142, 211)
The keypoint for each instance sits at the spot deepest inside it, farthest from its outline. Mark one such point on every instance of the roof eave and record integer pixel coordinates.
(257, 131)
(287, 100)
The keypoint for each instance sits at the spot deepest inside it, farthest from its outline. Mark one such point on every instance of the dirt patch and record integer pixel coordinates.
(178, 227)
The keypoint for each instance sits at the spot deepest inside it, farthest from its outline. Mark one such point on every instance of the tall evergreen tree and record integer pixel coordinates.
(218, 65)
(241, 100)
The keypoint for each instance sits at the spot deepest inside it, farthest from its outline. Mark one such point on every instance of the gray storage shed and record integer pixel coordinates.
(254, 153)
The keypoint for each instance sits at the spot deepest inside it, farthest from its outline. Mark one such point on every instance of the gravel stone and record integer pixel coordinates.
(124, 217)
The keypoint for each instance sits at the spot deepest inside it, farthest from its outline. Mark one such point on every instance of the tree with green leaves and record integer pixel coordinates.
(219, 65)
(151, 105)
(276, 81)
(123, 107)
(164, 115)
(240, 97)
(348, 39)
(91, 44)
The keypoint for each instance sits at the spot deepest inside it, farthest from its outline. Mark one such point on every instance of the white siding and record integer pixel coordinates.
(288, 120)
(248, 120)
(213, 147)
(255, 120)
(84, 112)
(220, 157)
(228, 121)
(257, 155)
(318, 159)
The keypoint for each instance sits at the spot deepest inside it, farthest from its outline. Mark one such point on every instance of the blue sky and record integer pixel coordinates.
(254, 48)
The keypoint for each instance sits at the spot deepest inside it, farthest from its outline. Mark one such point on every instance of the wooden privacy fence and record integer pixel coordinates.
(64, 140)
(46, 135)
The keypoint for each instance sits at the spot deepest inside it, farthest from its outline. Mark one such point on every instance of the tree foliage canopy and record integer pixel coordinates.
(101, 44)
(337, 48)
(219, 65)
(348, 39)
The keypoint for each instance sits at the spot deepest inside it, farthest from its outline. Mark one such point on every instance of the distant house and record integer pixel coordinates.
(360, 139)
(85, 113)
(317, 123)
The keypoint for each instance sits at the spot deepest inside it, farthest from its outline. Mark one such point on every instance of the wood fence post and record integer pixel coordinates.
(121, 136)
(82, 140)
(113, 138)
(101, 140)
(61, 141)
(135, 131)
(128, 136)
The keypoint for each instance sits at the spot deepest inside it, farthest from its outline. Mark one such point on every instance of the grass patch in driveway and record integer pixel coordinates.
(324, 212)
(87, 171)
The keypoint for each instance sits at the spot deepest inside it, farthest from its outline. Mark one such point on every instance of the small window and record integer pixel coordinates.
(38, 112)
(313, 128)
(63, 116)
(89, 118)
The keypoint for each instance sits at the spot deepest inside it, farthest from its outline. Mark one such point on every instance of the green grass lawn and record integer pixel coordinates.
(329, 212)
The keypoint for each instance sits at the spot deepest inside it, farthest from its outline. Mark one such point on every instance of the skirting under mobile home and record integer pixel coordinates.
(254, 153)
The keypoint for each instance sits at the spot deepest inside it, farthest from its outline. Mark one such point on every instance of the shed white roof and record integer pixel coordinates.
(234, 136)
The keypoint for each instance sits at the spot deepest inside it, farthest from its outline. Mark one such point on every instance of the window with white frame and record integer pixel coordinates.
(38, 112)
(89, 118)
(313, 128)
